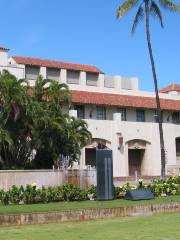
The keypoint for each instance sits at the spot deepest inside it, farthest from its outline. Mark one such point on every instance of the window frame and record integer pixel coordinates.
(176, 117)
(100, 112)
(139, 117)
(80, 111)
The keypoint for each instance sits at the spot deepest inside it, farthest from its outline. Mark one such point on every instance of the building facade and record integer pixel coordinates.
(119, 115)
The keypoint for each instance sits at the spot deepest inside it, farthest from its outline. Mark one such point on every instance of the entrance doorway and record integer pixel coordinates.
(90, 156)
(90, 151)
(135, 158)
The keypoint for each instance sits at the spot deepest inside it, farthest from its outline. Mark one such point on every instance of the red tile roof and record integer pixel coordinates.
(83, 97)
(55, 64)
(172, 87)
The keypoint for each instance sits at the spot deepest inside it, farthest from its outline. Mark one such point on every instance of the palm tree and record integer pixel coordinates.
(13, 101)
(40, 88)
(58, 93)
(146, 9)
(13, 94)
(77, 137)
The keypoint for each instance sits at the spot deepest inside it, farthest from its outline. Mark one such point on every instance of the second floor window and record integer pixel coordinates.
(101, 112)
(140, 115)
(80, 111)
(32, 72)
(175, 117)
(91, 79)
(123, 113)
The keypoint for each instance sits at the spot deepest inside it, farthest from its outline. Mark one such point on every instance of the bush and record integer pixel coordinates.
(69, 192)
(168, 186)
(31, 194)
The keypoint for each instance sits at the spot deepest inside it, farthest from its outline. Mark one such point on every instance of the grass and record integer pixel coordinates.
(156, 227)
(60, 206)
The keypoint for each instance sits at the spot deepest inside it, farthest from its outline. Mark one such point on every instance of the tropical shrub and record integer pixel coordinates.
(69, 192)
(31, 194)
(34, 129)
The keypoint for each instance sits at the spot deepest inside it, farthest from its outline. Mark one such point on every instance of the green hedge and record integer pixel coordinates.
(68, 192)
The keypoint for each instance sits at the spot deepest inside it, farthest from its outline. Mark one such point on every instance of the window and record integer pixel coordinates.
(53, 74)
(32, 72)
(91, 79)
(80, 111)
(140, 115)
(123, 113)
(175, 117)
(73, 77)
(101, 112)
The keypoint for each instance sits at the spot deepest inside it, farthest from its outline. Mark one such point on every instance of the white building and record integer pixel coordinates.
(119, 115)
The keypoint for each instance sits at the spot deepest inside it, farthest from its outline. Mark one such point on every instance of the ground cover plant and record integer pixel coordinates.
(156, 227)
(68, 192)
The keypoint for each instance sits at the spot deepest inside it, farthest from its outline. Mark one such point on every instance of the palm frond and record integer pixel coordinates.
(156, 12)
(125, 7)
(139, 16)
(168, 4)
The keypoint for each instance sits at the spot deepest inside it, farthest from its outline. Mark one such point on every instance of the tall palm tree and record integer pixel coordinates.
(146, 9)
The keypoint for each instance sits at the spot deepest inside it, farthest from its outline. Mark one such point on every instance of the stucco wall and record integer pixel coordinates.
(82, 178)
(132, 130)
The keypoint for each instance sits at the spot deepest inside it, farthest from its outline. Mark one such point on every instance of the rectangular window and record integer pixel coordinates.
(80, 111)
(32, 72)
(91, 79)
(73, 77)
(101, 113)
(140, 115)
(123, 113)
(175, 118)
(53, 73)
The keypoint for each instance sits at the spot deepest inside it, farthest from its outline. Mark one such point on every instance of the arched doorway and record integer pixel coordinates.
(178, 150)
(137, 157)
(90, 150)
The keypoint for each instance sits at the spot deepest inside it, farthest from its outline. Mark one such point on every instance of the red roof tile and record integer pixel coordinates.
(172, 87)
(83, 97)
(55, 64)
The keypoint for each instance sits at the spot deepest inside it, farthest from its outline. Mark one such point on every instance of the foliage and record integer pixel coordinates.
(146, 9)
(168, 186)
(34, 129)
(31, 194)
(153, 10)
(69, 192)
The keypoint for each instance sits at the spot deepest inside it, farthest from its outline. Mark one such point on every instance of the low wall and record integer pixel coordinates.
(86, 214)
(82, 178)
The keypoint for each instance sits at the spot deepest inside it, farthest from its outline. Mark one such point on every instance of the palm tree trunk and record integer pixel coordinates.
(163, 161)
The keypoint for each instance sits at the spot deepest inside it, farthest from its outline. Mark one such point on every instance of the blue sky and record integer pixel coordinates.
(87, 31)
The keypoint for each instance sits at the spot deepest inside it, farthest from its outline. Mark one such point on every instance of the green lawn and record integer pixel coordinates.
(156, 227)
(60, 206)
